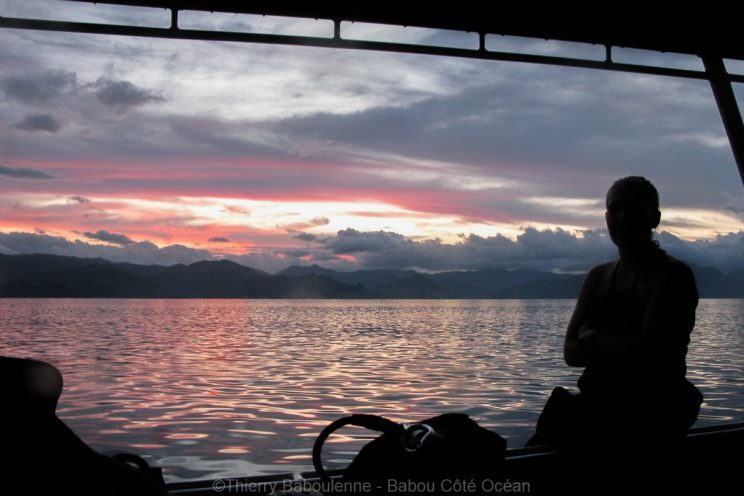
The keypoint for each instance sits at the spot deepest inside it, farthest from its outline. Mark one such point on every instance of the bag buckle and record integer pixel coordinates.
(415, 435)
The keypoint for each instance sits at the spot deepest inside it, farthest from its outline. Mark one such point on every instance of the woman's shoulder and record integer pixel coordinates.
(672, 273)
(603, 268)
(668, 266)
(600, 276)
(602, 271)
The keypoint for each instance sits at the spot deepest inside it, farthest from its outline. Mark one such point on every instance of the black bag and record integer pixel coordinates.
(568, 419)
(560, 420)
(449, 447)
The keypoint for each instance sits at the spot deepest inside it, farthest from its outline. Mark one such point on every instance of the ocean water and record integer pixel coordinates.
(220, 388)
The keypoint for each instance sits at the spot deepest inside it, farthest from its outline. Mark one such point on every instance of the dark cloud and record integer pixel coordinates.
(22, 173)
(544, 250)
(306, 237)
(39, 122)
(557, 250)
(320, 221)
(123, 94)
(39, 88)
(116, 239)
(294, 253)
(79, 199)
(219, 239)
(351, 242)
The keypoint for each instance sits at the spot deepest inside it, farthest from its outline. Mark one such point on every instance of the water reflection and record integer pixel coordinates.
(218, 388)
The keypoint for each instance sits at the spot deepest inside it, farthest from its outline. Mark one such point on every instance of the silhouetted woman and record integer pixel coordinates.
(630, 330)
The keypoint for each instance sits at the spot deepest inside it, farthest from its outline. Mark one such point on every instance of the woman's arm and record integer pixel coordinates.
(575, 350)
(659, 350)
(669, 318)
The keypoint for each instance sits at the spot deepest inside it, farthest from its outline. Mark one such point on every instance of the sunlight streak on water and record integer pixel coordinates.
(218, 388)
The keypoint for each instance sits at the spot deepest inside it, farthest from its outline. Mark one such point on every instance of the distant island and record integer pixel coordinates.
(52, 276)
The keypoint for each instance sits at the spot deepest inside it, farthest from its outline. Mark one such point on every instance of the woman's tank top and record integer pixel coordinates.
(619, 312)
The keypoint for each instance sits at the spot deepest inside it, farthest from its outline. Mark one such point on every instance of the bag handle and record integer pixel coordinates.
(372, 422)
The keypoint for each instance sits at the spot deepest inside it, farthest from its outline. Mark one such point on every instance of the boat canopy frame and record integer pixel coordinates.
(685, 33)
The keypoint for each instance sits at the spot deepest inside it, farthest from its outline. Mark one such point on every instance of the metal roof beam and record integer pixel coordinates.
(174, 32)
(726, 100)
(692, 31)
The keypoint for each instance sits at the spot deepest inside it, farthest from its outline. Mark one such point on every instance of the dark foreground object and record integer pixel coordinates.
(417, 457)
(712, 464)
(40, 455)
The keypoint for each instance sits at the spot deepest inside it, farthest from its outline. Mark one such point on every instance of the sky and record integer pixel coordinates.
(163, 151)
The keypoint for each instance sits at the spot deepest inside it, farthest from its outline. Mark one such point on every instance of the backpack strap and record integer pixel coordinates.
(371, 422)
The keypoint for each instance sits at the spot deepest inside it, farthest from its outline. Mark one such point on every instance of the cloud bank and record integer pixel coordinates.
(40, 87)
(143, 252)
(123, 94)
(39, 122)
(349, 249)
(116, 239)
(23, 173)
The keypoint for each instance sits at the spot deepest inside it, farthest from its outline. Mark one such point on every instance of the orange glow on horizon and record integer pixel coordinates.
(170, 203)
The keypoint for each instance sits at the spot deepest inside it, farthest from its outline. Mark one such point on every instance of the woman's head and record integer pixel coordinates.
(632, 212)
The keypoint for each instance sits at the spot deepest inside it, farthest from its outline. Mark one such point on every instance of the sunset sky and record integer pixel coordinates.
(165, 151)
